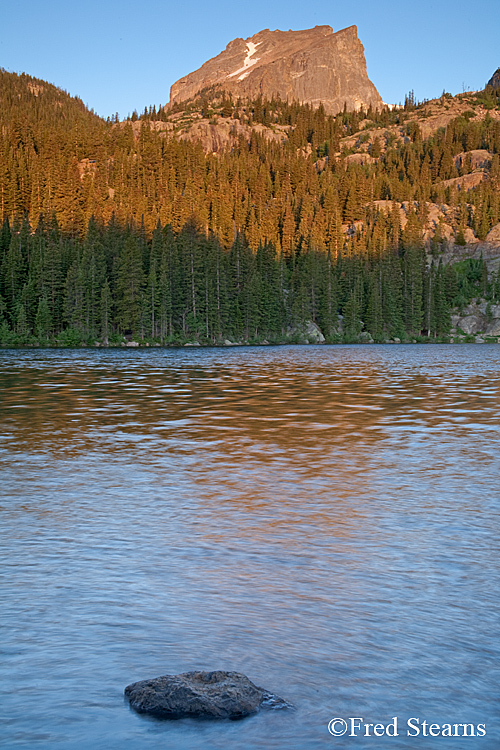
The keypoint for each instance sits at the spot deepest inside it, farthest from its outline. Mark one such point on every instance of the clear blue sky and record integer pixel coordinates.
(119, 55)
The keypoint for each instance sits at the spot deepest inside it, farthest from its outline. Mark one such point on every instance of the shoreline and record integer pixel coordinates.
(237, 345)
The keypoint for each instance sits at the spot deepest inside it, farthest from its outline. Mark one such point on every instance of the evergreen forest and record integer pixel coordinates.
(130, 230)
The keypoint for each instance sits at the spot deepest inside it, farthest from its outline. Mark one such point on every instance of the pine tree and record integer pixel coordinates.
(413, 265)
(14, 270)
(374, 320)
(130, 285)
(43, 321)
(106, 311)
(21, 326)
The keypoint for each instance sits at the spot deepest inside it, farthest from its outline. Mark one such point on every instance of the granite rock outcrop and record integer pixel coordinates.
(478, 317)
(313, 66)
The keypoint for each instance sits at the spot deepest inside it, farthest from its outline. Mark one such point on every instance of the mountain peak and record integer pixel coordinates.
(495, 79)
(311, 66)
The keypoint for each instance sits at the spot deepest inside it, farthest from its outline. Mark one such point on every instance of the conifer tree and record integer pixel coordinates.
(374, 320)
(43, 321)
(129, 285)
(106, 311)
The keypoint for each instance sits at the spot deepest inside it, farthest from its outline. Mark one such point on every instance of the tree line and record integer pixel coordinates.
(171, 288)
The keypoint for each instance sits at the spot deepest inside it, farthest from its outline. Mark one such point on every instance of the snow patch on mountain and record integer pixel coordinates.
(247, 63)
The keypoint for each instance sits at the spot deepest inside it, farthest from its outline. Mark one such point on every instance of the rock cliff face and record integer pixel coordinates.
(311, 66)
(495, 79)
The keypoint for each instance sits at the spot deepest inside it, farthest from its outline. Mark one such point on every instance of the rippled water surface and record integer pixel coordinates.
(324, 519)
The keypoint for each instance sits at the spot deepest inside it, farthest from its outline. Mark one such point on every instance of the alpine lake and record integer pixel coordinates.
(324, 519)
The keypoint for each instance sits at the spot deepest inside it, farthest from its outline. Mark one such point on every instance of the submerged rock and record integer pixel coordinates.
(216, 695)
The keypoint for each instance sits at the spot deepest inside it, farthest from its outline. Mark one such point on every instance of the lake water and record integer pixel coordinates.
(323, 519)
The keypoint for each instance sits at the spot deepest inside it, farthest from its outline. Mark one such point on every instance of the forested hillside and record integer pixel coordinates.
(137, 229)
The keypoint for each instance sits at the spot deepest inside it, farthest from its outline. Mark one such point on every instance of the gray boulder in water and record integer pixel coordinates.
(216, 695)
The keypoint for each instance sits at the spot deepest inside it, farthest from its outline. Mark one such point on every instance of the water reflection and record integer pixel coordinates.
(323, 518)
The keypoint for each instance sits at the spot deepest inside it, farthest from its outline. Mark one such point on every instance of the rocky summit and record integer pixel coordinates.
(495, 79)
(211, 695)
(312, 66)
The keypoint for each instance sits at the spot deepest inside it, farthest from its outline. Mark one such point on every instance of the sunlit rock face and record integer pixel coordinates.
(312, 66)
